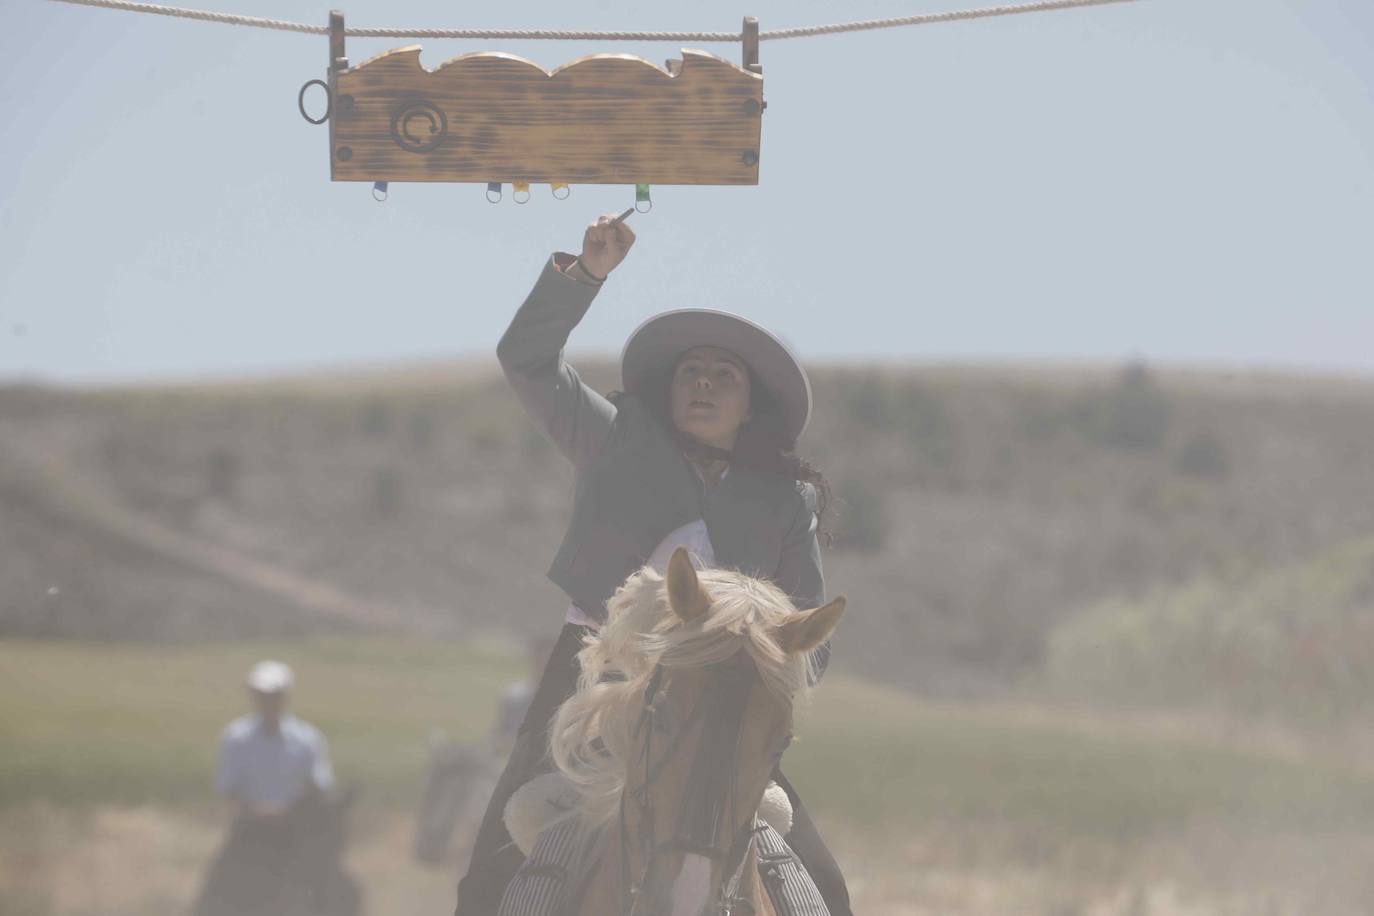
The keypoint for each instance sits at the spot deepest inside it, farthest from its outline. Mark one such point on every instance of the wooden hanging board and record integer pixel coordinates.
(496, 117)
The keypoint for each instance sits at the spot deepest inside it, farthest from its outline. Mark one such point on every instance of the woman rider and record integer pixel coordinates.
(696, 451)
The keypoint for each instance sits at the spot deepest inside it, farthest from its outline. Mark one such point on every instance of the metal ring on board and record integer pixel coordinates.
(557, 186)
(517, 188)
(328, 101)
(493, 187)
(379, 187)
(648, 205)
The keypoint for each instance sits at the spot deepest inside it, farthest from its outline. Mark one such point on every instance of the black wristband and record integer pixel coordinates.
(594, 277)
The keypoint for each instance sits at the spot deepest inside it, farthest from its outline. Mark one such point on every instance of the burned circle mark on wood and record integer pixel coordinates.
(419, 126)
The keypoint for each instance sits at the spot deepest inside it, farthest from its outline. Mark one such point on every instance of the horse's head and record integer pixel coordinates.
(684, 710)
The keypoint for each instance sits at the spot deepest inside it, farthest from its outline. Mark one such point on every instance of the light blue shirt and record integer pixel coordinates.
(272, 768)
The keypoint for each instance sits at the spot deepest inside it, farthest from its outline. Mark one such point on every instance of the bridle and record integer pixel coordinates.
(710, 793)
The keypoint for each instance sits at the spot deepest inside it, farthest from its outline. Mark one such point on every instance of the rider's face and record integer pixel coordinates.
(710, 395)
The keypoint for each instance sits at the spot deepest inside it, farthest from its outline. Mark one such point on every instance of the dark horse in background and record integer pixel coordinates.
(459, 779)
(286, 866)
(463, 776)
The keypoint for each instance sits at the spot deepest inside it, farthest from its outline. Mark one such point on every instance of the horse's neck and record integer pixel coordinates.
(605, 889)
(751, 886)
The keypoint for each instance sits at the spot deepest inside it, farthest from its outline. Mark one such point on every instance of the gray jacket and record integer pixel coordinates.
(634, 486)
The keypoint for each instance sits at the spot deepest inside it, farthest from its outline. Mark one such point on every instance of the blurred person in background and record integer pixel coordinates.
(697, 451)
(274, 771)
(516, 699)
(462, 776)
(270, 760)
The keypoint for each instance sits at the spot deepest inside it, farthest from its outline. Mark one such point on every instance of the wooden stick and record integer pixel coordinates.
(338, 57)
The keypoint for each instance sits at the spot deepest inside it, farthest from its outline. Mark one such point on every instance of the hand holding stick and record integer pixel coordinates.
(605, 244)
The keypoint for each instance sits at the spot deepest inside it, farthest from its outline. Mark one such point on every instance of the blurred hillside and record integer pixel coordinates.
(986, 516)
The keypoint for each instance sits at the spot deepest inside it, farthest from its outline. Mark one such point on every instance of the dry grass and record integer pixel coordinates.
(147, 861)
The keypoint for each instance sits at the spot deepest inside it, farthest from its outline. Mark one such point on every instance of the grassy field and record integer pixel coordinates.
(992, 800)
(137, 724)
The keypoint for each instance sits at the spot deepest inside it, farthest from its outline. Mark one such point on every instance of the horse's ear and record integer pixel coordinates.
(684, 589)
(805, 630)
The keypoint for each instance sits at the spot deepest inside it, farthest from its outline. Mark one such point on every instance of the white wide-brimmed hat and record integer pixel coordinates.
(657, 343)
(270, 677)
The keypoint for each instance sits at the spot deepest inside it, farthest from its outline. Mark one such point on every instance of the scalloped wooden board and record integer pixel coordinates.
(601, 119)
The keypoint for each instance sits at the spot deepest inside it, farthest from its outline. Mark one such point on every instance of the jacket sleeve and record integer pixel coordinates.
(575, 418)
(799, 569)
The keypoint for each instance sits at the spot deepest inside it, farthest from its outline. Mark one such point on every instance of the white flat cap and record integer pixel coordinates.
(270, 677)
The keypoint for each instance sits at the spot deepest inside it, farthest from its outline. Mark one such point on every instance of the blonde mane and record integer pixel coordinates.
(641, 632)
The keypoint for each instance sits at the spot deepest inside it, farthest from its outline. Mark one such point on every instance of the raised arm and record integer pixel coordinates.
(575, 417)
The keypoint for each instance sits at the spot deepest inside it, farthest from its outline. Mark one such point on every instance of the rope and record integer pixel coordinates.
(203, 15)
(929, 18)
(554, 35)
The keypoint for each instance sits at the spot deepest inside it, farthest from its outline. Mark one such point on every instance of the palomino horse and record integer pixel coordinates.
(682, 712)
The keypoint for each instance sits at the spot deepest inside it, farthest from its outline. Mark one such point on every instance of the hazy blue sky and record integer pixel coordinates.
(1180, 179)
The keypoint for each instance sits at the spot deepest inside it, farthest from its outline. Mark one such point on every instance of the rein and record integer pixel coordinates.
(706, 796)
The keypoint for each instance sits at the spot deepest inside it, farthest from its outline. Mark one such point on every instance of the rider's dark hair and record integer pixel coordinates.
(762, 442)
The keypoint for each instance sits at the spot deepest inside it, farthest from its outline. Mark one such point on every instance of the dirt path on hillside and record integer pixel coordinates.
(53, 481)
